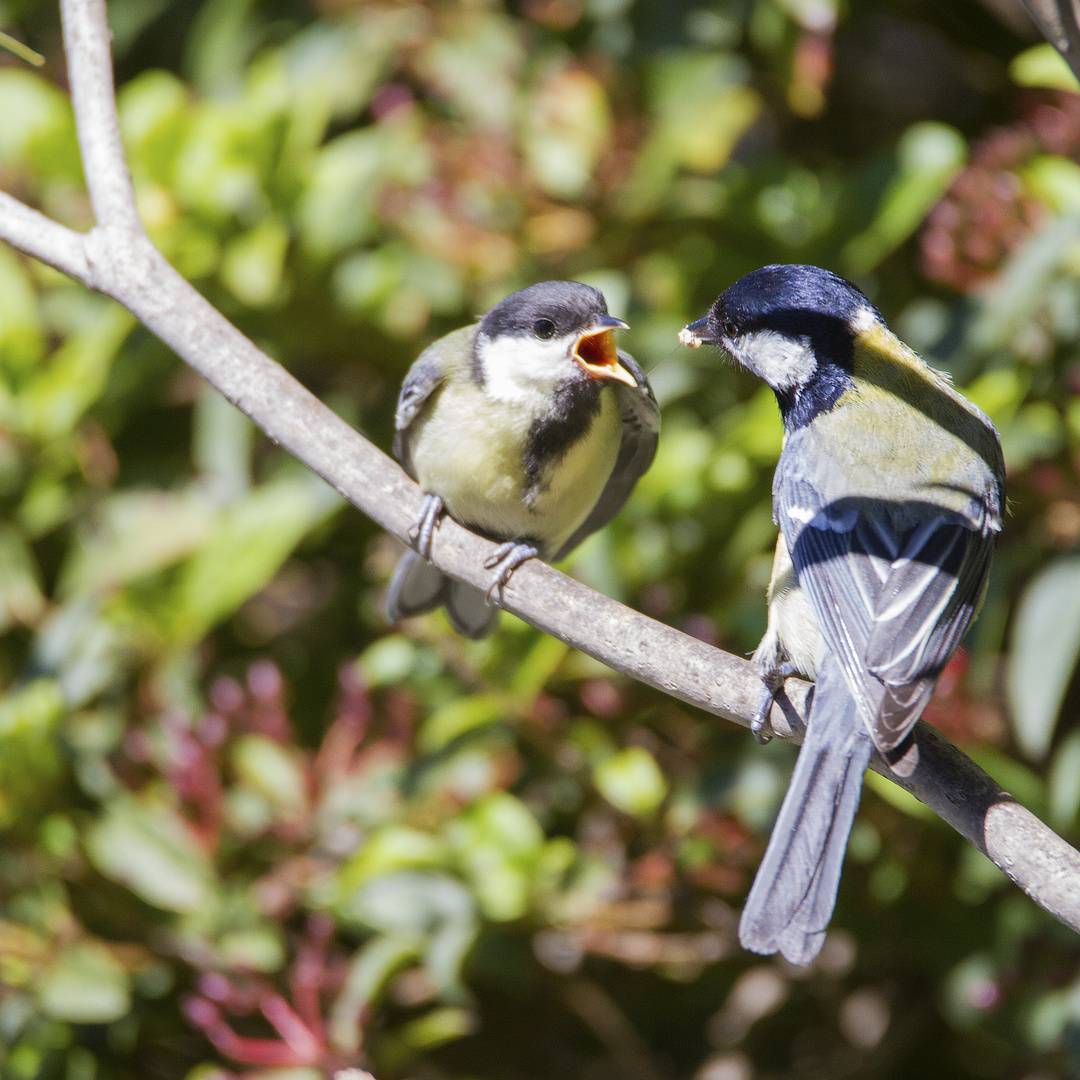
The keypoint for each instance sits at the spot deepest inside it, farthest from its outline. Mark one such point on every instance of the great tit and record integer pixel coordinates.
(528, 427)
(889, 494)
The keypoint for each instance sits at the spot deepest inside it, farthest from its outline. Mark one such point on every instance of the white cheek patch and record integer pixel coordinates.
(519, 368)
(783, 362)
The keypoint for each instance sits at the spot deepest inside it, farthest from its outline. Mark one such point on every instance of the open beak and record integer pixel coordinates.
(596, 355)
(694, 334)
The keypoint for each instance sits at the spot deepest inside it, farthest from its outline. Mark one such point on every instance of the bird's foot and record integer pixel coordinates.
(423, 529)
(505, 560)
(772, 683)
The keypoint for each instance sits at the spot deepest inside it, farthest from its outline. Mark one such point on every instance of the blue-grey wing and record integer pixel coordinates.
(894, 586)
(423, 379)
(640, 434)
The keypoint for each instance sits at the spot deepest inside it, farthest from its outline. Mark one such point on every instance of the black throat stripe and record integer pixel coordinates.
(575, 406)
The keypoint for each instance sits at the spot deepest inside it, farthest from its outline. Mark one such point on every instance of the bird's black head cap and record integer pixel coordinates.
(807, 304)
(551, 309)
(800, 301)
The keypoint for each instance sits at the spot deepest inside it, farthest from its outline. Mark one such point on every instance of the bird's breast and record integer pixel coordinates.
(479, 456)
(567, 483)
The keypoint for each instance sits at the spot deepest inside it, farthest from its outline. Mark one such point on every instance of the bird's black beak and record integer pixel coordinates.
(595, 351)
(696, 334)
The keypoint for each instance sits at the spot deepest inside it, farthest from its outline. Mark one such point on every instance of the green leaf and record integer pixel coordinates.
(21, 598)
(254, 537)
(222, 442)
(221, 40)
(567, 128)
(391, 848)
(256, 948)
(134, 534)
(84, 650)
(369, 971)
(999, 393)
(274, 771)
(1064, 782)
(129, 18)
(458, 717)
(39, 126)
(389, 660)
(148, 848)
(85, 986)
(335, 210)
(1044, 648)
(537, 666)
(474, 67)
(1056, 181)
(338, 64)
(631, 781)
(56, 399)
(253, 263)
(929, 157)
(1043, 65)
(505, 821)
(1008, 303)
(155, 112)
(1035, 433)
(30, 760)
(34, 708)
(498, 842)
(435, 1028)
(22, 336)
(702, 107)
(225, 156)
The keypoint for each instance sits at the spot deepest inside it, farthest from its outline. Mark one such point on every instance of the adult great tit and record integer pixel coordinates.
(528, 427)
(888, 493)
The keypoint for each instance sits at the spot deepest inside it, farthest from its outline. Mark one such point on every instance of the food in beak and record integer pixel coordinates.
(597, 356)
(691, 335)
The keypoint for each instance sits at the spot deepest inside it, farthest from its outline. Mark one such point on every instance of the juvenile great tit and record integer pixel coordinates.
(529, 427)
(888, 493)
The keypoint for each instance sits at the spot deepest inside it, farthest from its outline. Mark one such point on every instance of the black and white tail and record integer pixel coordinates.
(794, 892)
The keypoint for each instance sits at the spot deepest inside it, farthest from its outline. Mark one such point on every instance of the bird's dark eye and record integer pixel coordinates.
(543, 329)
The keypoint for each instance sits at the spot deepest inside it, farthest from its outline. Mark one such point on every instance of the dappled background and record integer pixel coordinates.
(246, 827)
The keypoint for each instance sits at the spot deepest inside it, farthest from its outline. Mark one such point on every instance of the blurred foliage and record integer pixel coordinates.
(247, 829)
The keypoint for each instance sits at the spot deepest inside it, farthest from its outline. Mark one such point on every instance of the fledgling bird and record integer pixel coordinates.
(528, 427)
(889, 494)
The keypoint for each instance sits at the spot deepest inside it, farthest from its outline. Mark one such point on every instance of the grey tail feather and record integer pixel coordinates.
(469, 611)
(794, 892)
(418, 587)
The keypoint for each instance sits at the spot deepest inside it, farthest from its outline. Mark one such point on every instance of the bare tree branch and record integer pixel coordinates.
(37, 235)
(118, 259)
(88, 45)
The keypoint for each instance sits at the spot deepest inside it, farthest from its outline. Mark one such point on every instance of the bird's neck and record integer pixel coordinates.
(566, 419)
(801, 404)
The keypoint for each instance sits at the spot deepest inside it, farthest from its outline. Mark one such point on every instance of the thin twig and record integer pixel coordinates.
(119, 260)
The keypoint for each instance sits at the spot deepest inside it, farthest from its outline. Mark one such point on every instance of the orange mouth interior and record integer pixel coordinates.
(597, 350)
